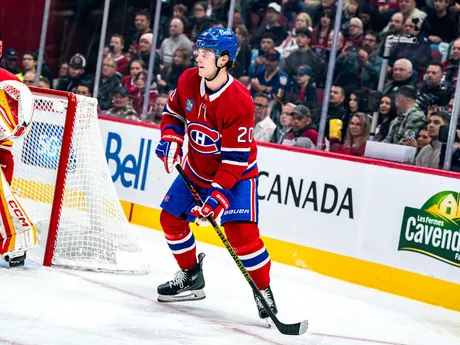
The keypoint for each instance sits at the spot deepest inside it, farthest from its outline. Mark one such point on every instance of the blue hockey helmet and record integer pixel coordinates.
(219, 40)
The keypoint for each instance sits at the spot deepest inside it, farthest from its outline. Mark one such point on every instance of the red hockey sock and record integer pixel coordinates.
(180, 239)
(245, 239)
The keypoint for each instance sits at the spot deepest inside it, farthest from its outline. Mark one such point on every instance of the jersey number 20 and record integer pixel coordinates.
(246, 134)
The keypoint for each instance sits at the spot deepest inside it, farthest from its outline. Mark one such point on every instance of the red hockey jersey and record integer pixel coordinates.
(220, 128)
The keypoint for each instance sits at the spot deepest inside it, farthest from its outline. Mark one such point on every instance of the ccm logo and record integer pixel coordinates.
(17, 211)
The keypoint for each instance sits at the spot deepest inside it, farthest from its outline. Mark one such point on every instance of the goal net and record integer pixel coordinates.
(64, 184)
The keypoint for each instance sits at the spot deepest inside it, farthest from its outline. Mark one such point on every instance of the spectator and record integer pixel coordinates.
(422, 140)
(370, 47)
(171, 73)
(409, 10)
(320, 34)
(29, 64)
(145, 46)
(340, 42)
(395, 27)
(272, 25)
(257, 65)
(135, 67)
(455, 162)
(264, 127)
(218, 24)
(138, 98)
(441, 23)
(303, 90)
(62, 73)
(176, 40)
(289, 45)
(303, 131)
(216, 10)
(10, 61)
(451, 65)
(410, 118)
(117, 43)
(121, 107)
(402, 76)
(355, 33)
(142, 23)
(285, 123)
(180, 11)
(387, 113)
(77, 74)
(419, 54)
(84, 89)
(156, 114)
(429, 155)
(243, 54)
(44, 83)
(431, 92)
(29, 78)
(273, 81)
(359, 68)
(350, 11)
(109, 82)
(357, 135)
(198, 22)
(358, 102)
(303, 55)
(336, 118)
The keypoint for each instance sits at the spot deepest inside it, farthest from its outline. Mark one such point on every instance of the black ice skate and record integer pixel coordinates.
(268, 296)
(187, 285)
(16, 259)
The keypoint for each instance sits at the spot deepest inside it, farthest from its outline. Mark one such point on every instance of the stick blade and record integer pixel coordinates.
(292, 329)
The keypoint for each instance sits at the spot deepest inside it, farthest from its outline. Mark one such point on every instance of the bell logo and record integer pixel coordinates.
(18, 212)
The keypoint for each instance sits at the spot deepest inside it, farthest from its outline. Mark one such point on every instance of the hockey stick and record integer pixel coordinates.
(289, 329)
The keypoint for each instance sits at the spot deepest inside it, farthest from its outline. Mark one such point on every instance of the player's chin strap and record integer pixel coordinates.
(217, 72)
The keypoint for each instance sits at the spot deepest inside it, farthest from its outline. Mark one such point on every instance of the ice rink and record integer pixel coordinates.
(62, 307)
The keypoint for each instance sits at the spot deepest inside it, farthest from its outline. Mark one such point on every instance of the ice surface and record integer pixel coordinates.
(41, 306)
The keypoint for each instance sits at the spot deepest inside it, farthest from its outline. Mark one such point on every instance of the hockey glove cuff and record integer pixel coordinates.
(169, 149)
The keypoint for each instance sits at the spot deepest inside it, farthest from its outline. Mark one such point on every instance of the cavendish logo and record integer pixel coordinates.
(189, 105)
(434, 229)
(203, 139)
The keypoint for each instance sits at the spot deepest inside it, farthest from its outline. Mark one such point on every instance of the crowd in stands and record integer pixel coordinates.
(282, 59)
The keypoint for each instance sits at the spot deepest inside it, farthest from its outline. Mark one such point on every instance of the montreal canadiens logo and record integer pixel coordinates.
(203, 139)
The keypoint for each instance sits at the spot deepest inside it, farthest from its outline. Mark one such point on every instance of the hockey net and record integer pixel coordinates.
(64, 184)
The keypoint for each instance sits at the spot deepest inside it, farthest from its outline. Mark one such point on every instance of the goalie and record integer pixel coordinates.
(17, 233)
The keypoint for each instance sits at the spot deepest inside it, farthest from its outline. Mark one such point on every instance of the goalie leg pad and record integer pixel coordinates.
(180, 239)
(17, 233)
(245, 239)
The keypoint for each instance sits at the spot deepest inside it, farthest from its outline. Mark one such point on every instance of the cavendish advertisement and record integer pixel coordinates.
(433, 229)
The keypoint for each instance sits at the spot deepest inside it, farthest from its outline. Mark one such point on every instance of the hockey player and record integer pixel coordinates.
(217, 113)
(17, 233)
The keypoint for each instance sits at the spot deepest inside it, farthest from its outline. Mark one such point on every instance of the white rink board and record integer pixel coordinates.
(377, 195)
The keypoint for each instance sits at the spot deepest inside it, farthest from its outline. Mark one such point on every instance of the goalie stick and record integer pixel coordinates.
(288, 329)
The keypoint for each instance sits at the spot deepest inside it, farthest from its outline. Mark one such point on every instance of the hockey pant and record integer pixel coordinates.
(243, 236)
(17, 233)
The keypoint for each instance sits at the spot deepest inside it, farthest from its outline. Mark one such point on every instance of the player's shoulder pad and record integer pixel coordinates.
(6, 75)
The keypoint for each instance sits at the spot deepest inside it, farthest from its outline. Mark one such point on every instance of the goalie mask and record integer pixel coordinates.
(16, 109)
